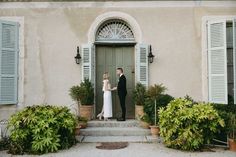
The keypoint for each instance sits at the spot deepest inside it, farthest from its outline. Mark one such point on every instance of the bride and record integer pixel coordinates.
(107, 98)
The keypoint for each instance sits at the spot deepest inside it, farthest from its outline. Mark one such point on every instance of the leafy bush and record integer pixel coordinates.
(187, 125)
(41, 129)
(149, 107)
(84, 93)
(139, 94)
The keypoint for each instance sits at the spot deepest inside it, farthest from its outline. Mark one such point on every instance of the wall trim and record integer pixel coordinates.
(114, 15)
(123, 4)
(20, 20)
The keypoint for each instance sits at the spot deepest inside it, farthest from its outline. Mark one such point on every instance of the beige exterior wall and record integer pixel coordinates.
(52, 34)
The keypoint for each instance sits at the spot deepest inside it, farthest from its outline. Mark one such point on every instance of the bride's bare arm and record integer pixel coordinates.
(107, 86)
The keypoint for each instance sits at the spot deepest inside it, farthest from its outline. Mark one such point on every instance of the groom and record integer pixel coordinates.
(122, 92)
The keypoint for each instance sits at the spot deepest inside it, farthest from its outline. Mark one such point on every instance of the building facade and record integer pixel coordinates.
(193, 43)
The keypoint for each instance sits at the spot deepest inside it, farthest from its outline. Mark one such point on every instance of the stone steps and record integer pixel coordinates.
(132, 139)
(114, 131)
(113, 123)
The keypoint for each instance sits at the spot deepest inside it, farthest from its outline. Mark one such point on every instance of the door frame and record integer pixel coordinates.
(95, 70)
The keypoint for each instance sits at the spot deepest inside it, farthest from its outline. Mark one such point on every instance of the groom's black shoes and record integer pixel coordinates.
(120, 119)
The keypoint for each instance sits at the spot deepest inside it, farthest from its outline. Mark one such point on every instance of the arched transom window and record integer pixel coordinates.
(115, 31)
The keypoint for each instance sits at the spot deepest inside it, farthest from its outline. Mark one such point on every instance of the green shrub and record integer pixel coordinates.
(41, 129)
(139, 94)
(225, 111)
(4, 143)
(145, 118)
(149, 107)
(187, 125)
(84, 93)
(232, 127)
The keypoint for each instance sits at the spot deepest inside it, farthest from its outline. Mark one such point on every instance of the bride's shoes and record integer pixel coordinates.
(100, 116)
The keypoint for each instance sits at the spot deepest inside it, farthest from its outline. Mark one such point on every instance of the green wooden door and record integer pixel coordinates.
(108, 58)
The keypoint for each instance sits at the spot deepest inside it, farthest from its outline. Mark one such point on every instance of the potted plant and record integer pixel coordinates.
(84, 95)
(77, 130)
(154, 93)
(232, 132)
(139, 99)
(144, 121)
(82, 122)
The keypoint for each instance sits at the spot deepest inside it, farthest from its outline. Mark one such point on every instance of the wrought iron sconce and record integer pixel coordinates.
(150, 55)
(78, 56)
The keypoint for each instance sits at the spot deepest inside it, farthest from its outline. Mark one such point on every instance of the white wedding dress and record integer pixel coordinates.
(107, 99)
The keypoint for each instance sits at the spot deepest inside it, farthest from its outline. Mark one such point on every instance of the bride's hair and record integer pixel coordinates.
(106, 76)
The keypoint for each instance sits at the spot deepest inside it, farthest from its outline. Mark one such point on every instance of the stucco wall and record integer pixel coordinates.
(52, 34)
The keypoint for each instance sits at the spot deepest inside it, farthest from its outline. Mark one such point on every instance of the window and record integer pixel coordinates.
(221, 61)
(9, 49)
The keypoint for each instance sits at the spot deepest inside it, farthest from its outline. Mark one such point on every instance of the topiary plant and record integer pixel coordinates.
(41, 129)
(149, 106)
(154, 92)
(187, 125)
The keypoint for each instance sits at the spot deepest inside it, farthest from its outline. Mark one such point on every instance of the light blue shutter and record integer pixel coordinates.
(234, 56)
(217, 62)
(142, 64)
(8, 62)
(88, 62)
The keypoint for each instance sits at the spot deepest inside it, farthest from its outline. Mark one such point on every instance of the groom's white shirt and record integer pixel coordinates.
(121, 74)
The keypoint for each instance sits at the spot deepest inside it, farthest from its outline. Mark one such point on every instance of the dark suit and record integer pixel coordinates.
(122, 92)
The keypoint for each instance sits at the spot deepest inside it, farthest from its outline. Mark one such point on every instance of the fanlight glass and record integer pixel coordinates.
(115, 30)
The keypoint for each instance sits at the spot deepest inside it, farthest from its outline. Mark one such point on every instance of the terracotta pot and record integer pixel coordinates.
(232, 145)
(144, 125)
(155, 130)
(83, 125)
(86, 111)
(138, 111)
(77, 130)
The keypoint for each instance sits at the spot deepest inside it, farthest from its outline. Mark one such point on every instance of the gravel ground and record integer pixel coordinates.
(133, 150)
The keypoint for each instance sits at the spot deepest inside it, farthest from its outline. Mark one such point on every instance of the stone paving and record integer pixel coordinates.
(141, 145)
(133, 150)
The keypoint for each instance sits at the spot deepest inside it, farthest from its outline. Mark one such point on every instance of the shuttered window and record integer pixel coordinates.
(217, 62)
(234, 57)
(88, 62)
(142, 64)
(8, 62)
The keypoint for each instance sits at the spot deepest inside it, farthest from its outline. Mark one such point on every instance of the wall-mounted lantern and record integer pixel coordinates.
(150, 55)
(78, 56)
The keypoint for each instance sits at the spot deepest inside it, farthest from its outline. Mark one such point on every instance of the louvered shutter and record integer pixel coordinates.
(217, 62)
(8, 62)
(88, 63)
(234, 56)
(142, 64)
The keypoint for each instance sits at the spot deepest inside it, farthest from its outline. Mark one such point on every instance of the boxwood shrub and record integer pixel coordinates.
(41, 129)
(188, 125)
